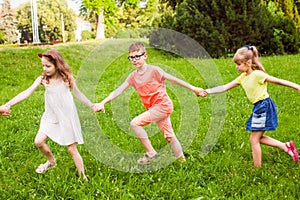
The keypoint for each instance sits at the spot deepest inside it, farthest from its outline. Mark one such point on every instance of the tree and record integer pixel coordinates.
(8, 24)
(222, 26)
(97, 9)
(53, 17)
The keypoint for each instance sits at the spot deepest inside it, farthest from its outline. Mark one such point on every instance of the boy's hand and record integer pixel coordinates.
(200, 92)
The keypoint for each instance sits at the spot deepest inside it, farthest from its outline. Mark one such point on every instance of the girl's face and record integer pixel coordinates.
(49, 68)
(137, 58)
(243, 66)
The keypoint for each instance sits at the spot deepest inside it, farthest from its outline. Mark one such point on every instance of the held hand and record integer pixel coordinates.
(200, 92)
(5, 110)
(205, 93)
(94, 108)
(100, 107)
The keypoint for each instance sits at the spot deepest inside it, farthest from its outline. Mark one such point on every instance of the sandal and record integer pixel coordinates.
(292, 148)
(181, 159)
(45, 167)
(147, 159)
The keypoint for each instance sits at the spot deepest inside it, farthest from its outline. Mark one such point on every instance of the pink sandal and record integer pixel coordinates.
(293, 149)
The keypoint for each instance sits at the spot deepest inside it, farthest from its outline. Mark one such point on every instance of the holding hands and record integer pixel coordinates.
(4, 110)
(200, 92)
(99, 107)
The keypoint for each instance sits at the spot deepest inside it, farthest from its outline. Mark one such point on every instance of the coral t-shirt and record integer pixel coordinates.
(151, 87)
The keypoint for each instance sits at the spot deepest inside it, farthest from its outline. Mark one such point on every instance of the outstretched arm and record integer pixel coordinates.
(173, 79)
(117, 92)
(286, 83)
(82, 98)
(25, 94)
(223, 88)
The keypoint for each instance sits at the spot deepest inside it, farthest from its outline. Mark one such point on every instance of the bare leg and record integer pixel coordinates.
(40, 142)
(176, 146)
(255, 138)
(143, 137)
(77, 159)
(266, 140)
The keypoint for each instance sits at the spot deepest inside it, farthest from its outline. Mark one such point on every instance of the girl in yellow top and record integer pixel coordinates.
(254, 80)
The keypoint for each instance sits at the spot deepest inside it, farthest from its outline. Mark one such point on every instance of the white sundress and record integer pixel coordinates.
(60, 121)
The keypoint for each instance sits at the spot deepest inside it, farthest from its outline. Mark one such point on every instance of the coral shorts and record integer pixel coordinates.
(158, 115)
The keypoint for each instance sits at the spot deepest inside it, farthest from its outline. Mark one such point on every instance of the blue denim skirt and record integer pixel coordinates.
(263, 117)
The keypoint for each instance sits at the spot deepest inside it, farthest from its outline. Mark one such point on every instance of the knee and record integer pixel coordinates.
(72, 149)
(133, 124)
(38, 143)
(253, 140)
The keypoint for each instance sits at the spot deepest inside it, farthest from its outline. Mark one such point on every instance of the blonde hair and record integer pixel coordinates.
(246, 53)
(61, 66)
(137, 46)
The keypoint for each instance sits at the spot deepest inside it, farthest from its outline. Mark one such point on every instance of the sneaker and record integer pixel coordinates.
(147, 159)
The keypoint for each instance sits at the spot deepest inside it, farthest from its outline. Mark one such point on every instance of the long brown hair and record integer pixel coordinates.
(60, 64)
(249, 53)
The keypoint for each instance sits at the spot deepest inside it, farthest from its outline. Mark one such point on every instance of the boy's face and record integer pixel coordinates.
(137, 58)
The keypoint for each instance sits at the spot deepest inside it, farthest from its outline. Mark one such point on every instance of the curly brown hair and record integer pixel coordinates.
(60, 64)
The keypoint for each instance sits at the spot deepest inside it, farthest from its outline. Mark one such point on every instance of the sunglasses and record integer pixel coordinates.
(136, 57)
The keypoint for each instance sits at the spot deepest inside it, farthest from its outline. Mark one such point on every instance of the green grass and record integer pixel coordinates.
(226, 172)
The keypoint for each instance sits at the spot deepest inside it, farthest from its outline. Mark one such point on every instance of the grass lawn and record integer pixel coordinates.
(211, 130)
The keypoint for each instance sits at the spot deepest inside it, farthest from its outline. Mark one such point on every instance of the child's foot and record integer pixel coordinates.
(148, 158)
(181, 159)
(45, 167)
(291, 150)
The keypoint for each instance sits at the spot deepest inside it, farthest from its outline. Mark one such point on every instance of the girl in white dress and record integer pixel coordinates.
(60, 121)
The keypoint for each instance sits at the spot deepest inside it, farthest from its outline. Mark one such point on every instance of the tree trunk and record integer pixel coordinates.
(100, 26)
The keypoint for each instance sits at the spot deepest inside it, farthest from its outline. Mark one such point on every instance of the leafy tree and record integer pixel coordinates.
(129, 14)
(286, 38)
(223, 26)
(289, 8)
(8, 24)
(97, 9)
(51, 15)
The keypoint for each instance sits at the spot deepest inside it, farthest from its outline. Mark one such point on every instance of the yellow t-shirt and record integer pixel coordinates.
(254, 85)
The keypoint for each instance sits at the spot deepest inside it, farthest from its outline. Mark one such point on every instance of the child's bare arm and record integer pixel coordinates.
(173, 79)
(283, 82)
(222, 88)
(25, 94)
(117, 92)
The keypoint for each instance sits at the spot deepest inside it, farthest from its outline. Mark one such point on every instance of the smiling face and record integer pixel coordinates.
(49, 67)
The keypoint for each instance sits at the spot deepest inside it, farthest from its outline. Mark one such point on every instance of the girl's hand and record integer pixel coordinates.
(5, 110)
(94, 108)
(198, 91)
(99, 107)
